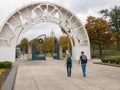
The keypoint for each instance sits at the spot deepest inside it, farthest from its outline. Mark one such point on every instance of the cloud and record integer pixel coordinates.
(76, 6)
(82, 6)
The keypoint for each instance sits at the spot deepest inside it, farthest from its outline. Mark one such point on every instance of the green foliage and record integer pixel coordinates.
(49, 44)
(99, 32)
(24, 45)
(111, 60)
(108, 52)
(64, 42)
(1, 64)
(113, 15)
(105, 60)
(117, 61)
(5, 64)
(24, 41)
(114, 18)
(35, 42)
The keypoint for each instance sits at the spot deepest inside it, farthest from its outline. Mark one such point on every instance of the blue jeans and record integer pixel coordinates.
(83, 69)
(69, 69)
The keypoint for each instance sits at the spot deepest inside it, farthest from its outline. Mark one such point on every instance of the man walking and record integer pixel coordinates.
(83, 60)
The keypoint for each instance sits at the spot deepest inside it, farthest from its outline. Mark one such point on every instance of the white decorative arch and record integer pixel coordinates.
(29, 15)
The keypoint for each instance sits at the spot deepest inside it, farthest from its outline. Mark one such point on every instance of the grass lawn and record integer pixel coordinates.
(108, 52)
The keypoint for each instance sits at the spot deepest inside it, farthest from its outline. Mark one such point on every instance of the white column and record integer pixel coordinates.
(7, 53)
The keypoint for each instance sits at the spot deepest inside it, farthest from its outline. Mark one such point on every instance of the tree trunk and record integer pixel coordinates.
(118, 43)
(92, 51)
(100, 49)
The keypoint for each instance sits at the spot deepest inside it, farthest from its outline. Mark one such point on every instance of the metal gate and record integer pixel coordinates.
(39, 48)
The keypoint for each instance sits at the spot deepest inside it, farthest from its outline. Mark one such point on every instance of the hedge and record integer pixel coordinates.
(5, 64)
(111, 60)
(105, 60)
(117, 61)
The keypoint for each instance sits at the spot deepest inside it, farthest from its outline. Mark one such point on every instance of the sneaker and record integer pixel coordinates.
(69, 75)
(84, 75)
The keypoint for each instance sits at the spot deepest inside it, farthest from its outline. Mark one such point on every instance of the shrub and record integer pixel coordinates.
(1, 65)
(5, 64)
(105, 60)
(117, 61)
(112, 60)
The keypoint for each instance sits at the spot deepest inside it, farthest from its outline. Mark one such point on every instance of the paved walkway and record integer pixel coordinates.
(51, 75)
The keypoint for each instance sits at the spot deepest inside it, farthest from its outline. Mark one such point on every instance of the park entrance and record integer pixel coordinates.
(29, 15)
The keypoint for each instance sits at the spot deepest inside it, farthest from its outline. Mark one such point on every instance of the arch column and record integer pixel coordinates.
(8, 52)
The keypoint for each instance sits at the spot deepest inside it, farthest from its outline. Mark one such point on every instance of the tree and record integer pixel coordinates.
(34, 42)
(99, 32)
(113, 16)
(24, 45)
(64, 41)
(49, 44)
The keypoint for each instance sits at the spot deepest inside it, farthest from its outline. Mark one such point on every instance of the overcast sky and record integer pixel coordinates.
(82, 8)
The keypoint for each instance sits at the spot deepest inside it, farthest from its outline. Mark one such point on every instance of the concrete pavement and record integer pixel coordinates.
(51, 75)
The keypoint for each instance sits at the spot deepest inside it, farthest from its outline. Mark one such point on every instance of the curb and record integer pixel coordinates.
(9, 83)
(114, 65)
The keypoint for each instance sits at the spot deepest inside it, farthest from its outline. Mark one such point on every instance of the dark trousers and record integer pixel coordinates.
(69, 69)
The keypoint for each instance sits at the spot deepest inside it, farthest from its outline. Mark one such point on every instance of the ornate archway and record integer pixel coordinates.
(29, 15)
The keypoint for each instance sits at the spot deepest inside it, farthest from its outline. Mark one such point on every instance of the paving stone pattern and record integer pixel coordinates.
(51, 75)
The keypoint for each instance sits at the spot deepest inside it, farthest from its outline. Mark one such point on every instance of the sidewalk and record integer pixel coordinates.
(51, 75)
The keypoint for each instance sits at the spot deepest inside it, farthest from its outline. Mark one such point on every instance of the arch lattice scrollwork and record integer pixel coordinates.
(27, 16)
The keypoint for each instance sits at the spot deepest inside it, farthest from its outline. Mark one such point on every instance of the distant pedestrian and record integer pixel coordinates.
(68, 64)
(83, 61)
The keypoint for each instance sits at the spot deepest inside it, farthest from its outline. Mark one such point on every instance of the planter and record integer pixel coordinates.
(3, 76)
(9, 82)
